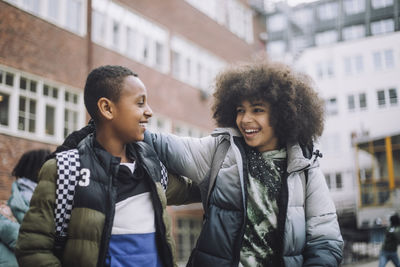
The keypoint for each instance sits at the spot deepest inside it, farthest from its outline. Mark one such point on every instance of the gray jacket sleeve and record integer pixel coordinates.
(186, 156)
(324, 245)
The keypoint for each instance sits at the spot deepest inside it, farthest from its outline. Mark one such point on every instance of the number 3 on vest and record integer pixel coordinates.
(85, 177)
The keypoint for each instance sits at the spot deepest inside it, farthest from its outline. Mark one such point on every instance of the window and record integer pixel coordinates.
(187, 232)
(199, 74)
(50, 96)
(176, 64)
(74, 15)
(334, 180)
(362, 100)
(70, 113)
(117, 28)
(393, 96)
(353, 32)
(382, 26)
(354, 6)
(6, 78)
(67, 14)
(331, 106)
(381, 3)
(325, 69)
(358, 64)
(130, 41)
(328, 11)
(351, 102)
(383, 59)
(389, 59)
(116, 33)
(327, 37)
(4, 108)
(232, 14)
(50, 120)
(303, 16)
(381, 98)
(38, 112)
(276, 23)
(192, 64)
(339, 182)
(53, 10)
(159, 54)
(27, 114)
(32, 5)
(98, 26)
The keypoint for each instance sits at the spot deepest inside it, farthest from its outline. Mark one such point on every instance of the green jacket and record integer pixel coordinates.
(88, 231)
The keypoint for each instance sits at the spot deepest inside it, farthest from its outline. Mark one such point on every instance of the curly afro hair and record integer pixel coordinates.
(296, 111)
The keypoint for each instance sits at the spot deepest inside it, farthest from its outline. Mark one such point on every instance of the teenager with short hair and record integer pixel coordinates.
(119, 215)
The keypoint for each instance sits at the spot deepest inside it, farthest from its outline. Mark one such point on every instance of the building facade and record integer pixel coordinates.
(351, 49)
(322, 22)
(48, 47)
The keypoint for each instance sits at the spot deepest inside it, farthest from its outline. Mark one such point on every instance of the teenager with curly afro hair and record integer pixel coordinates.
(265, 199)
(295, 111)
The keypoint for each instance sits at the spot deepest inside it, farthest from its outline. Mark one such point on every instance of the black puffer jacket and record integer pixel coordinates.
(93, 213)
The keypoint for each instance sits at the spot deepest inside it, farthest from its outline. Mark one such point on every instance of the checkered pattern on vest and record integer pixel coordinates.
(164, 177)
(68, 168)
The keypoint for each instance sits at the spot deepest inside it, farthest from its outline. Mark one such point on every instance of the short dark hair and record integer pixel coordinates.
(395, 220)
(296, 111)
(29, 164)
(105, 81)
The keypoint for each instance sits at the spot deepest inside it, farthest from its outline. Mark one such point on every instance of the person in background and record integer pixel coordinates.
(390, 243)
(12, 212)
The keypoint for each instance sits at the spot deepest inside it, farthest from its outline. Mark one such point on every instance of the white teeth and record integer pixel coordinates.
(143, 124)
(250, 130)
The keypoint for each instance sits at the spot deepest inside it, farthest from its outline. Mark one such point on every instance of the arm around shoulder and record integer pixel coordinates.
(181, 191)
(324, 245)
(36, 237)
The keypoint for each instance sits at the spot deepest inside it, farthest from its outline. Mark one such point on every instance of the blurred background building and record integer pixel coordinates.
(48, 47)
(351, 49)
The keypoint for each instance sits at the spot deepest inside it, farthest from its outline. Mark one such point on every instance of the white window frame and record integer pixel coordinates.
(376, 4)
(354, 6)
(142, 39)
(39, 133)
(382, 26)
(328, 11)
(353, 32)
(61, 20)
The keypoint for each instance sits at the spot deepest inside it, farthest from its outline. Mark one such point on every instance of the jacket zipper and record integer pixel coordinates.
(110, 212)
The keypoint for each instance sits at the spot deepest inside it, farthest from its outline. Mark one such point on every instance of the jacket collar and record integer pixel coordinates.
(296, 159)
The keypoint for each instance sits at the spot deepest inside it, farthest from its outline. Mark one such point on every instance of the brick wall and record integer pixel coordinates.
(31, 44)
(11, 149)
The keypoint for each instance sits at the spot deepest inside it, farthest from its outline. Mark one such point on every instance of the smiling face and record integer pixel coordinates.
(252, 119)
(131, 111)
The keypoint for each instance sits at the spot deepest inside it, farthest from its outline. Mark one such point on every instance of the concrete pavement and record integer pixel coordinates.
(373, 263)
